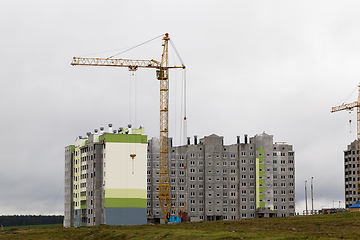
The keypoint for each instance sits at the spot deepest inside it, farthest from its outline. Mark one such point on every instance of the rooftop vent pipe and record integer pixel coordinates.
(238, 139)
(121, 129)
(195, 139)
(110, 128)
(114, 131)
(88, 133)
(188, 140)
(245, 138)
(95, 131)
(101, 130)
(129, 127)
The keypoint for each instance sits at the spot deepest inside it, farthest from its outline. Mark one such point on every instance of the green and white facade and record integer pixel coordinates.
(105, 179)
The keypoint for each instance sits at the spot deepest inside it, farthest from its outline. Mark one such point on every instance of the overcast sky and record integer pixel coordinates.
(252, 66)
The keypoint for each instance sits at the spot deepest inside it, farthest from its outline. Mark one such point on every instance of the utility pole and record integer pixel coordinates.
(306, 208)
(312, 196)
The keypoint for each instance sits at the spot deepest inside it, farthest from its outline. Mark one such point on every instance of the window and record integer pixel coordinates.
(192, 186)
(243, 176)
(232, 156)
(224, 155)
(224, 163)
(192, 201)
(233, 202)
(283, 169)
(283, 154)
(233, 179)
(243, 184)
(224, 178)
(181, 188)
(232, 171)
(192, 163)
(192, 155)
(243, 169)
(192, 170)
(233, 186)
(243, 153)
(181, 165)
(243, 192)
(243, 161)
(274, 154)
(181, 157)
(224, 171)
(200, 155)
(224, 194)
(251, 161)
(192, 194)
(201, 163)
(181, 196)
(192, 178)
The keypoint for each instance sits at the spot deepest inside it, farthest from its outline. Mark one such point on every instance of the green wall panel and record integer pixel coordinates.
(125, 138)
(261, 151)
(126, 202)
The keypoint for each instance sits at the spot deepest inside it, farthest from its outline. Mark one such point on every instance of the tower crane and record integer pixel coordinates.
(350, 107)
(162, 74)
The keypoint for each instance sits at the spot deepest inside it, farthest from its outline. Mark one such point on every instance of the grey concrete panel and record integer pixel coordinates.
(126, 216)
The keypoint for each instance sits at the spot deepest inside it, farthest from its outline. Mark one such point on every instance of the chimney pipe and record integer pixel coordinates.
(195, 139)
(245, 138)
(95, 131)
(129, 127)
(120, 130)
(110, 128)
(188, 140)
(101, 130)
(238, 139)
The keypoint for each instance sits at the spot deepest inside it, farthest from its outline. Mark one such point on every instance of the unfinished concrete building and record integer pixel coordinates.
(255, 178)
(351, 166)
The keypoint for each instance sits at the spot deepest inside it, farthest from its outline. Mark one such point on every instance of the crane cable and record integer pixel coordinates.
(135, 46)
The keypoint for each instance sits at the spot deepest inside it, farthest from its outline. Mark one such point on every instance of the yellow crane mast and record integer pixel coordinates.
(162, 73)
(350, 107)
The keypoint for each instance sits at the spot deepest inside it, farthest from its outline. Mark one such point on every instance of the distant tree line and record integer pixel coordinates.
(21, 220)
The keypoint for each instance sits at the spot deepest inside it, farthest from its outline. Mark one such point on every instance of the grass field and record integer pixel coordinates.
(335, 226)
(33, 226)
